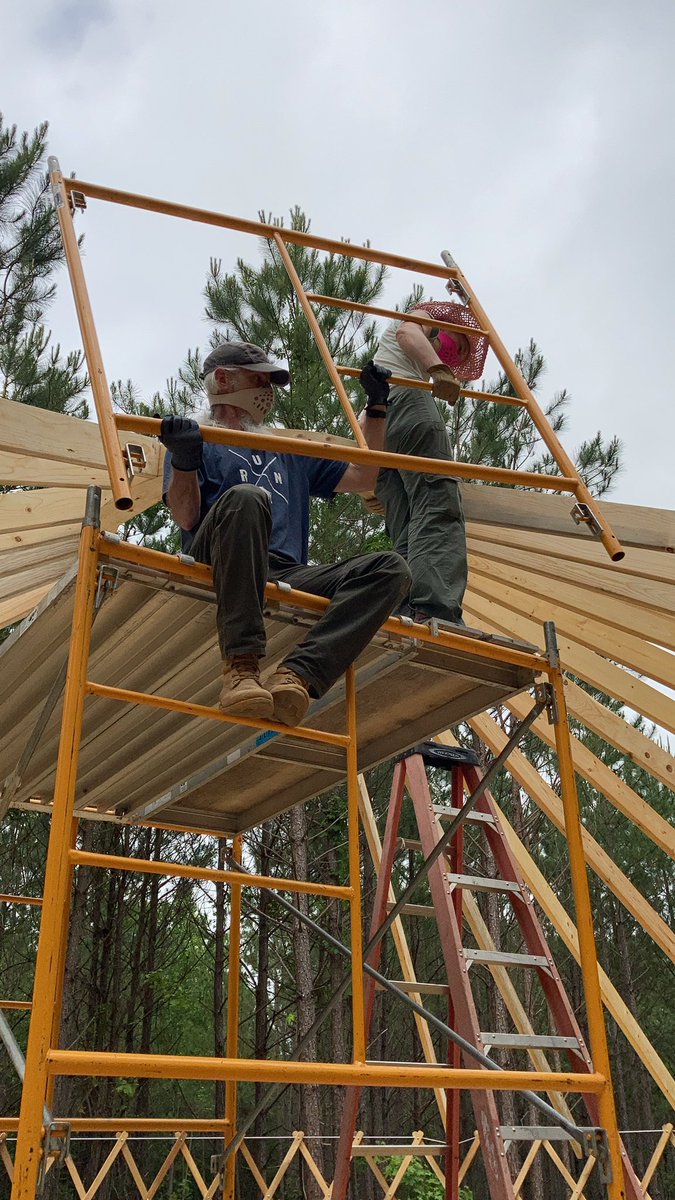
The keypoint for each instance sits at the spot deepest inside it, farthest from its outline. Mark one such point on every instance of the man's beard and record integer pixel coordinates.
(207, 416)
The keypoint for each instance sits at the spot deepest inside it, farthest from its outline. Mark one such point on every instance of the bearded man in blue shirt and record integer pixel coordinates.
(245, 513)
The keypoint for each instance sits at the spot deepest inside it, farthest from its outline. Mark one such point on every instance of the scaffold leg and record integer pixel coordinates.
(614, 1169)
(453, 1097)
(353, 1095)
(50, 955)
(233, 987)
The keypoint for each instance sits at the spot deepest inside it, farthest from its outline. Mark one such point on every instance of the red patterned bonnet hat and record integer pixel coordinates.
(459, 314)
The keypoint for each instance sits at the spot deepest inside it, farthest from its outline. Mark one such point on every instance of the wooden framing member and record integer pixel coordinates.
(605, 637)
(597, 858)
(645, 561)
(611, 786)
(582, 606)
(578, 659)
(612, 1000)
(415, 1149)
(503, 515)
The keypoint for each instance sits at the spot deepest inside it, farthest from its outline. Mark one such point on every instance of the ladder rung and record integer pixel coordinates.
(408, 844)
(506, 959)
(535, 1133)
(480, 817)
(529, 1041)
(415, 910)
(424, 989)
(481, 883)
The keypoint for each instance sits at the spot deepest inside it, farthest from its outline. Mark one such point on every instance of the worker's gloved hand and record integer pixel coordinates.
(373, 380)
(445, 386)
(183, 440)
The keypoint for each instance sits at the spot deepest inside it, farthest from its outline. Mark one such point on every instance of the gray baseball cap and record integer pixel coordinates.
(244, 355)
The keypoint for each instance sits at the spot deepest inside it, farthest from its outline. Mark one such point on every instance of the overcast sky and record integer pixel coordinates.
(532, 138)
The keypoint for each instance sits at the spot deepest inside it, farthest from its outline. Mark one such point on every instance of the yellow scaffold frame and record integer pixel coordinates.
(44, 1060)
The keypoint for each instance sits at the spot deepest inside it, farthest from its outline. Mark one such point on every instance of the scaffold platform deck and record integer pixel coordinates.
(156, 634)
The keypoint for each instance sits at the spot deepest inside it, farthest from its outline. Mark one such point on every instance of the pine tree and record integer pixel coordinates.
(32, 368)
(501, 435)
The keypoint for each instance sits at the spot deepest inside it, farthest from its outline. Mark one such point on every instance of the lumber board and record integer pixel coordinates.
(39, 536)
(16, 561)
(45, 572)
(47, 508)
(617, 619)
(18, 470)
(597, 858)
(579, 660)
(641, 592)
(638, 563)
(632, 742)
(17, 608)
(634, 525)
(31, 432)
(611, 642)
(611, 786)
(565, 926)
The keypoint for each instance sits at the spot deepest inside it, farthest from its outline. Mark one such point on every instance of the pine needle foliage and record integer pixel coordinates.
(32, 367)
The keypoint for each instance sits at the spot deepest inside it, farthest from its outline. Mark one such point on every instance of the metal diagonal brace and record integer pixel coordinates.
(578, 1133)
(57, 1133)
(272, 1093)
(443, 844)
(16, 1057)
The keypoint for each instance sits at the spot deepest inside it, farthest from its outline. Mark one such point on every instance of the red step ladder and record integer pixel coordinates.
(447, 882)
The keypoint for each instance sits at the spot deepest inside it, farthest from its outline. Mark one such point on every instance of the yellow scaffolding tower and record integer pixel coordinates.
(44, 1060)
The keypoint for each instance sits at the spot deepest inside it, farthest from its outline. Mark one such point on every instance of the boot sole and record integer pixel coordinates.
(258, 707)
(289, 709)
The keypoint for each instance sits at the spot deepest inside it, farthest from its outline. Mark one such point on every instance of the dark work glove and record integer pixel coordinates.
(373, 380)
(184, 442)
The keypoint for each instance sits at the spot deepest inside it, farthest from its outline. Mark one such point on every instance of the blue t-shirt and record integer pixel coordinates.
(288, 479)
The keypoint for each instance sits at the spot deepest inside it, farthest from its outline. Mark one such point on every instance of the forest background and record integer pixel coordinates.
(147, 958)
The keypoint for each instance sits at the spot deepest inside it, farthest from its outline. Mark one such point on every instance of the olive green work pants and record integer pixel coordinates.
(423, 512)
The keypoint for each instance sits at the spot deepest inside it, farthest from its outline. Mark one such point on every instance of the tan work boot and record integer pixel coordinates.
(243, 695)
(289, 695)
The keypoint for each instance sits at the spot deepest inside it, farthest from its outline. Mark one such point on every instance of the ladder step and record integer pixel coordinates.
(408, 844)
(423, 989)
(505, 959)
(529, 1041)
(535, 1133)
(415, 910)
(481, 883)
(479, 817)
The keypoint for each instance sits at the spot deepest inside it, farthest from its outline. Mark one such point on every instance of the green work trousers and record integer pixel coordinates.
(423, 513)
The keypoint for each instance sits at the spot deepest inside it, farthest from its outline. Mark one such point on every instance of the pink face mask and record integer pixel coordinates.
(452, 353)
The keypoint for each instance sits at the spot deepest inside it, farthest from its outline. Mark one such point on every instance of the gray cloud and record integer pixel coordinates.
(533, 140)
